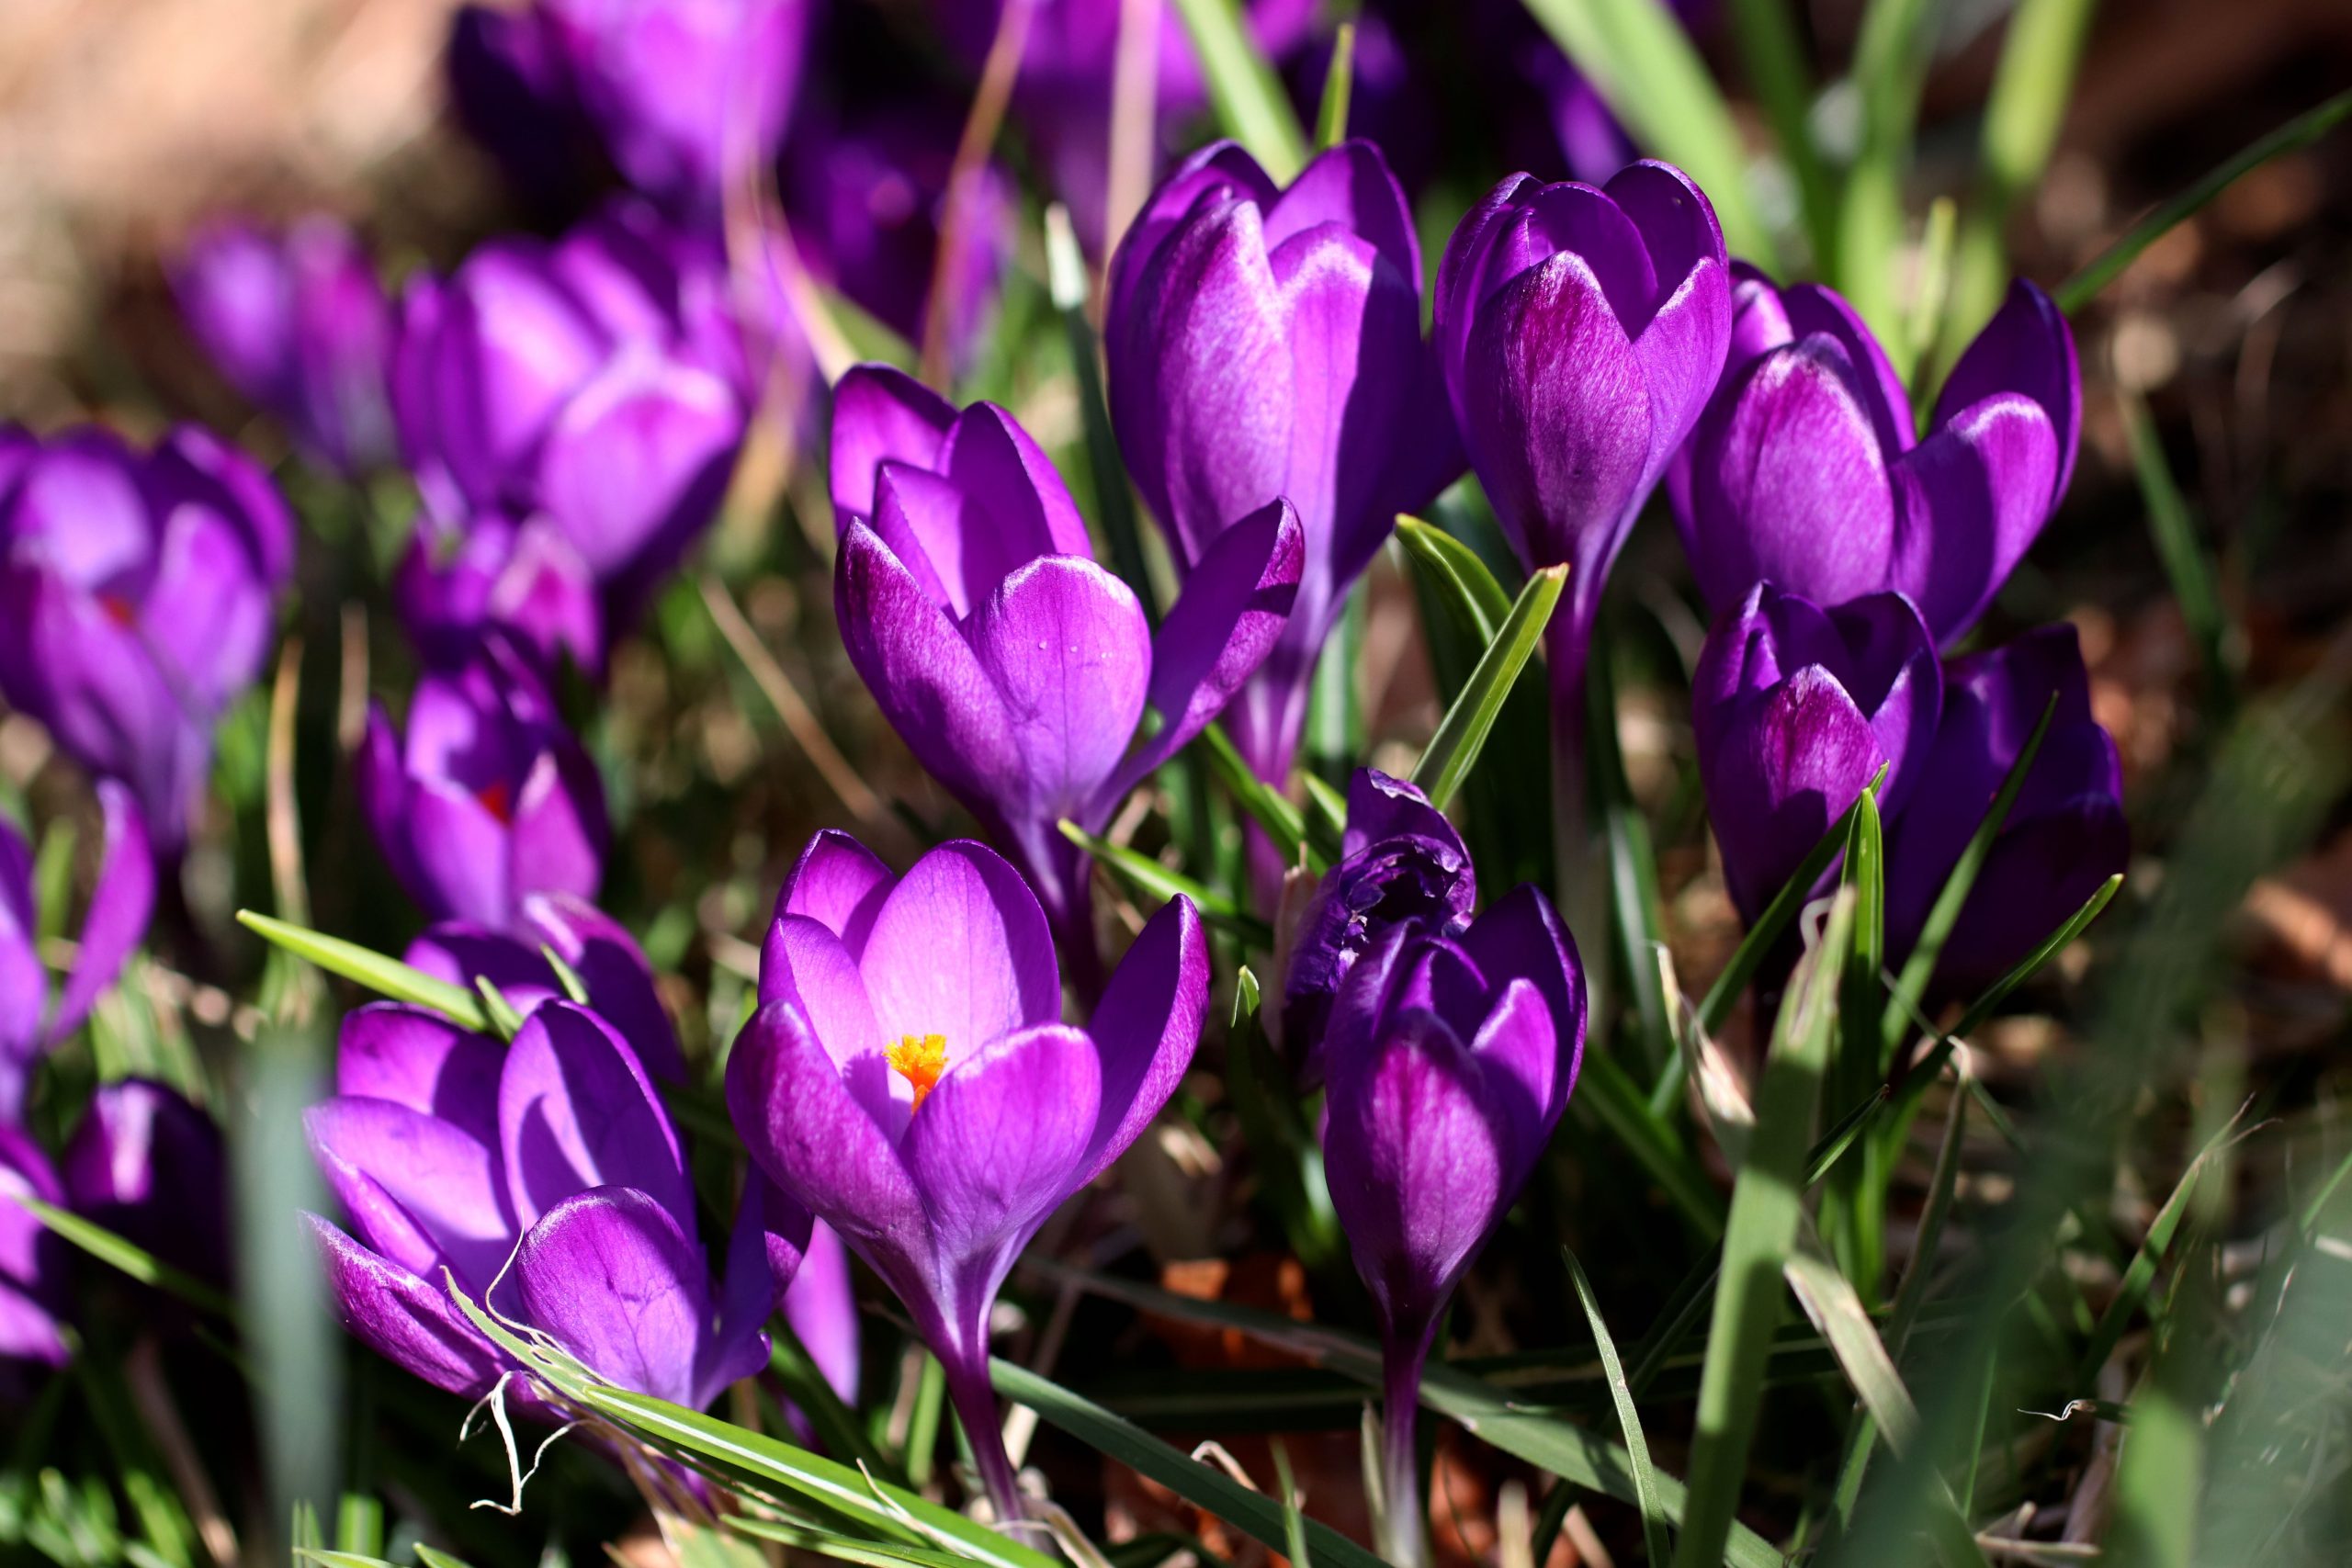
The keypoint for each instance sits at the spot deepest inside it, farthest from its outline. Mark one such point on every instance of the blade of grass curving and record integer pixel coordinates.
(1766, 1205)
(1114, 506)
(842, 1547)
(1156, 883)
(1253, 1513)
(1325, 814)
(1468, 590)
(2108, 265)
(359, 1523)
(1454, 750)
(1633, 864)
(130, 1259)
(385, 976)
(1294, 1545)
(503, 1016)
(2174, 532)
(1339, 86)
(574, 987)
(1654, 1537)
(1852, 1210)
(1248, 96)
(1261, 801)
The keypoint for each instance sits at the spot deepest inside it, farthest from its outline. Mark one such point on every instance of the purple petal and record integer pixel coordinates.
(403, 1319)
(417, 1058)
(1815, 311)
(881, 412)
(1349, 187)
(618, 979)
(960, 949)
(1521, 936)
(1146, 1029)
(613, 1279)
(1785, 769)
(418, 1190)
(840, 884)
(576, 1111)
(823, 1309)
(149, 1166)
(1219, 173)
(638, 461)
(560, 829)
(457, 853)
(1970, 499)
(2027, 348)
(24, 981)
(1682, 344)
(119, 907)
(989, 453)
(764, 1257)
(1383, 808)
(808, 966)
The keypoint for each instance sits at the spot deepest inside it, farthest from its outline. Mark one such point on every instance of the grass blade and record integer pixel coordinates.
(1468, 590)
(1890, 65)
(1251, 104)
(1629, 1420)
(1265, 805)
(1287, 1157)
(1773, 54)
(1454, 750)
(1853, 1211)
(2174, 532)
(1607, 1097)
(1153, 882)
(130, 1259)
(385, 976)
(1338, 84)
(1829, 1300)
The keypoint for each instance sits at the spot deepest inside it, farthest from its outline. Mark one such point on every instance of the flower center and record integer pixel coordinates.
(919, 1059)
(497, 798)
(119, 610)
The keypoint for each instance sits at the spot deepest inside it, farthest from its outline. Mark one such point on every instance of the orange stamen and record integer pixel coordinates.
(919, 1059)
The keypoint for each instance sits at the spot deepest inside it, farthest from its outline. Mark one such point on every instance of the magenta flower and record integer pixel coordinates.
(909, 1078)
(1804, 471)
(522, 580)
(546, 1179)
(1015, 668)
(116, 920)
(488, 798)
(33, 1266)
(1267, 343)
(298, 323)
(1449, 1060)
(149, 1166)
(135, 601)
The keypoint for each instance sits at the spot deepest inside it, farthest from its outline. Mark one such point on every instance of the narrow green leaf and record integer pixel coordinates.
(1155, 884)
(385, 976)
(327, 1558)
(2108, 265)
(815, 1398)
(1335, 734)
(132, 1259)
(2174, 532)
(1288, 1157)
(1773, 54)
(1851, 1214)
(566, 976)
(1294, 1545)
(1338, 83)
(434, 1557)
(1264, 804)
(359, 1523)
(1248, 96)
(1829, 1300)
(1891, 56)
(2132, 1292)
(843, 1547)
(923, 1420)
(54, 878)
(1607, 1096)
(1326, 814)
(1654, 1538)
(1454, 750)
(503, 1016)
(1468, 590)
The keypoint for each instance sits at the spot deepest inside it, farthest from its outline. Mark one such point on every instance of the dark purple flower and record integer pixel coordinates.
(2063, 837)
(135, 596)
(546, 1179)
(1266, 343)
(1581, 329)
(498, 575)
(32, 1264)
(298, 323)
(607, 961)
(120, 907)
(1400, 861)
(488, 798)
(149, 1166)
(511, 91)
(1795, 709)
(909, 1078)
(1015, 668)
(1449, 1060)
(1804, 471)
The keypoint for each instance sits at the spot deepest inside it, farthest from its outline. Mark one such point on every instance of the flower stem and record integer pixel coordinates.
(1406, 1545)
(975, 1400)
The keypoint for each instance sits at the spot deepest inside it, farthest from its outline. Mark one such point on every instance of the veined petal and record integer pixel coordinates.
(612, 1276)
(614, 970)
(409, 1322)
(961, 949)
(418, 1189)
(419, 1059)
(881, 412)
(2029, 349)
(840, 884)
(1788, 766)
(807, 965)
(1349, 187)
(1970, 500)
(1521, 936)
(990, 454)
(1146, 1029)
(576, 1111)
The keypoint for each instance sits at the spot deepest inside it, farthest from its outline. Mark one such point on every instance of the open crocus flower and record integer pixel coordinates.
(32, 1265)
(1581, 329)
(119, 906)
(1805, 471)
(1400, 861)
(909, 1078)
(2064, 835)
(135, 594)
(1449, 1060)
(1014, 667)
(1795, 709)
(1265, 343)
(546, 1179)
(148, 1165)
(487, 799)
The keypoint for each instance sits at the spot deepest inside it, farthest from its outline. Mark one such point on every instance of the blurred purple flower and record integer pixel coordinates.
(907, 1077)
(135, 596)
(495, 574)
(1795, 709)
(116, 920)
(1015, 668)
(511, 91)
(2065, 836)
(1449, 1060)
(487, 799)
(1267, 343)
(298, 323)
(1400, 861)
(553, 1164)
(149, 1166)
(1804, 471)
(1581, 330)
(32, 1265)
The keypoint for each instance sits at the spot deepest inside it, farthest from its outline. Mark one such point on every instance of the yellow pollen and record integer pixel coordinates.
(919, 1059)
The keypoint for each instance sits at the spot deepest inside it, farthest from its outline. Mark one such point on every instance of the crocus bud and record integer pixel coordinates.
(1581, 330)
(1804, 471)
(119, 906)
(33, 1266)
(149, 1167)
(1014, 667)
(1449, 1060)
(495, 574)
(488, 798)
(1400, 861)
(2064, 835)
(1267, 342)
(907, 1078)
(1795, 709)
(546, 1179)
(298, 323)
(135, 594)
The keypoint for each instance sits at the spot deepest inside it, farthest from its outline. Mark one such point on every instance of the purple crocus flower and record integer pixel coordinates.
(488, 798)
(149, 1166)
(119, 906)
(32, 1265)
(1581, 329)
(2064, 835)
(1449, 1060)
(1267, 342)
(1795, 709)
(1804, 471)
(599, 382)
(1400, 861)
(1015, 668)
(520, 579)
(909, 1078)
(599, 952)
(511, 91)
(298, 323)
(135, 594)
(546, 1179)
